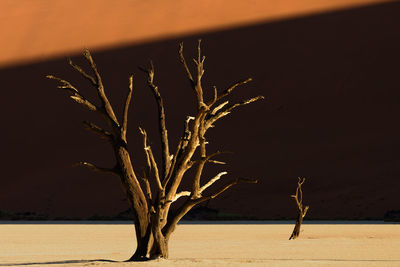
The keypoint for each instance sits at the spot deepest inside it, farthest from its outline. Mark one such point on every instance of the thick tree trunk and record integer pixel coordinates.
(151, 247)
(137, 201)
(296, 230)
(143, 244)
(159, 247)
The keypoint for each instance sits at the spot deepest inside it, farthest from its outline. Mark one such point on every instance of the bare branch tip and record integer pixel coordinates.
(79, 163)
(252, 181)
(181, 51)
(86, 52)
(142, 131)
(131, 82)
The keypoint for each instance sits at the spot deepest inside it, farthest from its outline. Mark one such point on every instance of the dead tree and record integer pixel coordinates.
(152, 194)
(298, 197)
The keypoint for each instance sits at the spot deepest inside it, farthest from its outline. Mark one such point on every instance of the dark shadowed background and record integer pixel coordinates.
(332, 87)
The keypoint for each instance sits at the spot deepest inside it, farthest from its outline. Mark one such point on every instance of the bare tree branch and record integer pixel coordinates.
(179, 150)
(245, 102)
(203, 161)
(183, 61)
(81, 71)
(230, 89)
(97, 130)
(187, 134)
(305, 211)
(195, 83)
(166, 161)
(100, 89)
(213, 180)
(172, 168)
(126, 108)
(76, 95)
(228, 110)
(150, 159)
(200, 71)
(114, 171)
(215, 98)
(66, 85)
(147, 188)
(196, 179)
(181, 194)
(84, 102)
(226, 187)
(217, 162)
(298, 197)
(146, 152)
(219, 107)
(187, 153)
(196, 190)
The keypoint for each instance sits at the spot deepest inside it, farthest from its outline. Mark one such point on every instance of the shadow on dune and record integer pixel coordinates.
(331, 115)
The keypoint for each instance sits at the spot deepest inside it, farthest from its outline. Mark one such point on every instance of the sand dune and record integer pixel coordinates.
(50, 31)
(203, 245)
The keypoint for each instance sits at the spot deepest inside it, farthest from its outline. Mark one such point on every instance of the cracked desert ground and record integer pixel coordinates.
(203, 245)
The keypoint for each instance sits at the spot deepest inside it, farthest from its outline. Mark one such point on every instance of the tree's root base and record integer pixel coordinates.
(152, 258)
(138, 259)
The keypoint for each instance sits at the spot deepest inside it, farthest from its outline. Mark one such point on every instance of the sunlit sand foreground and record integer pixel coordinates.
(203, 245)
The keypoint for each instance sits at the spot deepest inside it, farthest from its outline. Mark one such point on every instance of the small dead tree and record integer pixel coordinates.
(298, 197)
(151, 204)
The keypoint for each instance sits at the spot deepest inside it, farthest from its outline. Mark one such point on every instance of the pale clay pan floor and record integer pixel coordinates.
(203, 245)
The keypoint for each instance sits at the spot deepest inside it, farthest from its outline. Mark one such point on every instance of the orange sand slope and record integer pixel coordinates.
(204, 245)
(33, 30)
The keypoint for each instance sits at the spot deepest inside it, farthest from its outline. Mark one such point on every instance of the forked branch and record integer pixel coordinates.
(201, 189)
(100, 88)
(105, 109)
(218, 113)
(81, 71)
(183, 61)
(97, 130)
(298, 197)
(151, 163)
(75, 94)
(195, 83)
(166, 161)
(213, 180)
